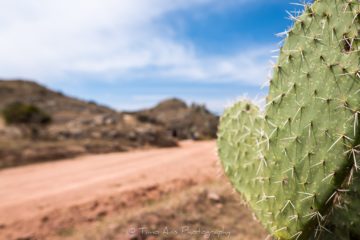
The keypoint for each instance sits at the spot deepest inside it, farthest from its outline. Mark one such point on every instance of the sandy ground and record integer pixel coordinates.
(32, 192)
(2, 124)
(211, 207)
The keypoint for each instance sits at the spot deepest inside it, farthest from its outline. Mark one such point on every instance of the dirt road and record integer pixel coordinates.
(30, 191)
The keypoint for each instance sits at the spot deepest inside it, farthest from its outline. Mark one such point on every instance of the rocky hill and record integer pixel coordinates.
(79, 127)
(182, 121)
(63, 109)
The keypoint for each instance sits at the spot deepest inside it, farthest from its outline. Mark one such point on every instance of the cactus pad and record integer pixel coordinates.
(296, 165)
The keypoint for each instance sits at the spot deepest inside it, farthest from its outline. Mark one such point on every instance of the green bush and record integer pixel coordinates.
(20, 113)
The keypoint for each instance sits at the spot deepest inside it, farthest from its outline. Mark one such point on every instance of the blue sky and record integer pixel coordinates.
(130, 54)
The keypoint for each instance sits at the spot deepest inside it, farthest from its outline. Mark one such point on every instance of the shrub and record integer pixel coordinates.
(20, 113)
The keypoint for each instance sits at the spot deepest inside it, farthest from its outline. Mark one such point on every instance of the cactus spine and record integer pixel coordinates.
(296, 164)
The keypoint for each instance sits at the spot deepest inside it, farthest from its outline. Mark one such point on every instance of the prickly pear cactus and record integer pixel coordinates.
(296, 164)
(344, 221)
(240, 129)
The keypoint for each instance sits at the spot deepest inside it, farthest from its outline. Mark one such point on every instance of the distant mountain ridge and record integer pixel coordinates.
(80, 127)
(55, 103)
(184, 122)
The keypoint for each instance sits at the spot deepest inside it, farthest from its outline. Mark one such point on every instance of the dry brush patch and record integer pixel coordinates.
(206, 211)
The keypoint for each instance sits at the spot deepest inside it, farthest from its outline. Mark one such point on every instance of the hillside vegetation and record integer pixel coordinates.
(39, 124)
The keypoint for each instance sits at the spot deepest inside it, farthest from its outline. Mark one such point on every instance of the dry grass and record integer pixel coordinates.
(17, 152)
(211, 207)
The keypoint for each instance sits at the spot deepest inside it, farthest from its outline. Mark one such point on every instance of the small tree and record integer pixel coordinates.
(26, 115)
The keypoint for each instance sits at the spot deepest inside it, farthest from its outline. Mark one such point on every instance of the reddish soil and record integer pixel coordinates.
(38, 199)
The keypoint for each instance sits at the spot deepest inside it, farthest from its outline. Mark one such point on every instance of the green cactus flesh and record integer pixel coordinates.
(239, 130)
(296, 164)
(344, 221)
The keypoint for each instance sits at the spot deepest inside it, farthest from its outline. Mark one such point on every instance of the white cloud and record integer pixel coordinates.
(250, 67)
(117, 38)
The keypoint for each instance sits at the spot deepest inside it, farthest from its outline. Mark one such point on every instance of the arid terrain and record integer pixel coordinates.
(77, 127)
(130, 195)
(123, 175)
